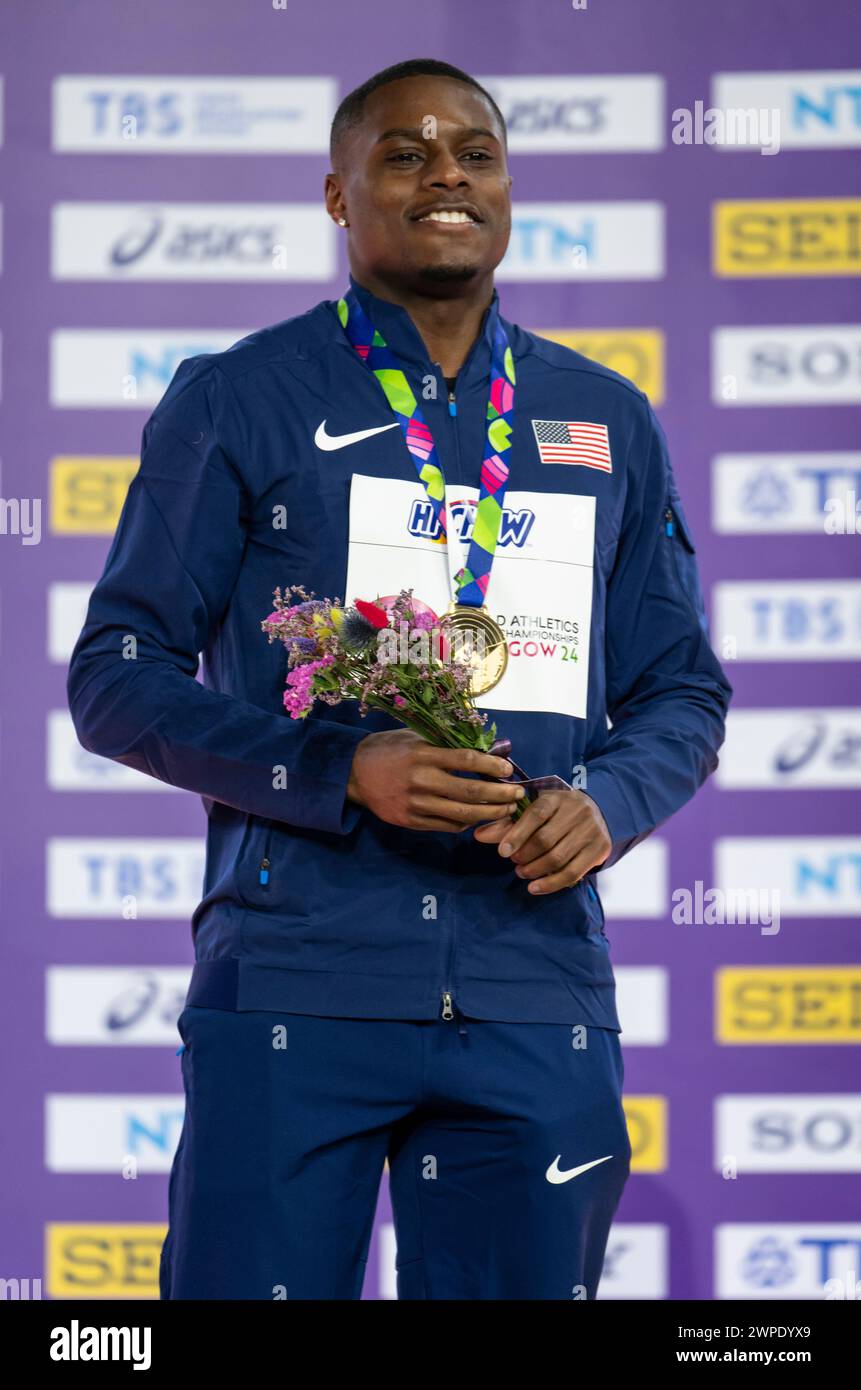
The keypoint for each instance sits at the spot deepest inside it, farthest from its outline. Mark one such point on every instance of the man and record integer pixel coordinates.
(389, 964)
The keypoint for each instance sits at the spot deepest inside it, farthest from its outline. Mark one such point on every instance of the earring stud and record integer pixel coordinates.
(342, 222)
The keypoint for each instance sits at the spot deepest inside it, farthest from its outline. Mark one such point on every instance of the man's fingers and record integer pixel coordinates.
(462, 789)
(535, 820)
(443, 808)
(436, 823)
(567, 877)
(495, 831)
(554, 860)
(466, 760)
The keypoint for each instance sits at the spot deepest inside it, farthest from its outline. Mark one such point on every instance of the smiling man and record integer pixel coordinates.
(388, 964)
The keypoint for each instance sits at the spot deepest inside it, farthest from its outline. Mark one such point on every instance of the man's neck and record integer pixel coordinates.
(449, 326)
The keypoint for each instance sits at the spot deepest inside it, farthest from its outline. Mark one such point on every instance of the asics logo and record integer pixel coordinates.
(340, 441)
(554, 1173)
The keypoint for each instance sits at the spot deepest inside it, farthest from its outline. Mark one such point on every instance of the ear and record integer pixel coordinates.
(335, 205)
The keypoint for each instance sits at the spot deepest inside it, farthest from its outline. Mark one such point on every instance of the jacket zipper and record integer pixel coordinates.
(449, 1006)
(265, 862)
(668, 519)
(447, 994)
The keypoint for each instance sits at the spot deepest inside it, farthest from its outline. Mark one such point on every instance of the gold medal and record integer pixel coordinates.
(477, 642)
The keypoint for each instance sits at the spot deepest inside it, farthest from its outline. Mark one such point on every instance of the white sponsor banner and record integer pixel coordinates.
(642, 1001)
(815, 875)
(810, 364)
(816, 109)
(206, 115)
(192, 241)
(125, 368)
(120, 1134)
(67, 612)
(124, 878)
(585, 241)
(786, 1260)
(638, 885)
(788, 1133)
(764, 494)
(72, 768)
(636, 1262)
(552, 115)
(786, 748)
(114, 1006)
(544, 609)
(788, 620)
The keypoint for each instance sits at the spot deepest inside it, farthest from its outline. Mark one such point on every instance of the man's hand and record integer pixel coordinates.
(557, 840)
(405, 781)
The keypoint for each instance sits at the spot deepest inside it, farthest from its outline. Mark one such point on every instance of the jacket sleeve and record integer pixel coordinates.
(167, 582)
(667, 694)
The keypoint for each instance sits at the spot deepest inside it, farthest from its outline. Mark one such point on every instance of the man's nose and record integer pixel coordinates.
(444, 170)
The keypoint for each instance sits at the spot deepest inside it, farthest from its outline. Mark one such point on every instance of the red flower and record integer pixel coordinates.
(374, 615)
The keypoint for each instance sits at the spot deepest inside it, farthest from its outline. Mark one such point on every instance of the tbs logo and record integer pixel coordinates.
(513, 528)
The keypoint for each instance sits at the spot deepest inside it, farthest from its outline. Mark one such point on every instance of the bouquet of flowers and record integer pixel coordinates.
(391, 655)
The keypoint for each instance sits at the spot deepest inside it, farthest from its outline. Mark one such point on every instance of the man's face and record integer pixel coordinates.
(424, 185)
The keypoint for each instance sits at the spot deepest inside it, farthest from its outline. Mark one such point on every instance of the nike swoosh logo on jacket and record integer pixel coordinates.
(352, 916)
(329, 442)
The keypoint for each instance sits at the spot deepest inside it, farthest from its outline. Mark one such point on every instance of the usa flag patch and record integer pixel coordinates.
(573, 441)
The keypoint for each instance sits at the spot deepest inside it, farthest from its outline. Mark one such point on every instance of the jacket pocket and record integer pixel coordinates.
(594, 906)
(678, 535)
(269, 873)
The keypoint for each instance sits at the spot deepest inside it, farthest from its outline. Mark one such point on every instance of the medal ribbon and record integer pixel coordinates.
(473, 578)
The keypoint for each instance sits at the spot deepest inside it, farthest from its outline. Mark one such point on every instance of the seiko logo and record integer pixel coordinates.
(513, 530)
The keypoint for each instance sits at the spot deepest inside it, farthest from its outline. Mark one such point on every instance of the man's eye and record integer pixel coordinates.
(477, 155)
(404, 156)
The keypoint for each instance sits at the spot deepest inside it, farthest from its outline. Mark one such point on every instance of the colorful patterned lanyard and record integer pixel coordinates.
(472, 580)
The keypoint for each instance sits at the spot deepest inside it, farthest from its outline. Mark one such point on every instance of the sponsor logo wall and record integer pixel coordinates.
(169, 215)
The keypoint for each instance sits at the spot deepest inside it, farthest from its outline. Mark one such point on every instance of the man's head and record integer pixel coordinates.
(420, 175)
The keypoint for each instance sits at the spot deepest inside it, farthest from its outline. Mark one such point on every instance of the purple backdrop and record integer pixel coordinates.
(67, 1204)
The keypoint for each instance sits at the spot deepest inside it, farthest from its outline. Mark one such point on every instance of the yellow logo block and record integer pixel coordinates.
(87, 493)
(637, 353)
(804, 236)
(102, 1260)
(647, 1117)
(788, 1004)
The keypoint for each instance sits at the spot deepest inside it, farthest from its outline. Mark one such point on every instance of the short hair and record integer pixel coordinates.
(351, 110)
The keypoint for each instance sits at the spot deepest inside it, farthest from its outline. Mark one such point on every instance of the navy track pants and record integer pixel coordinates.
(507, 1149)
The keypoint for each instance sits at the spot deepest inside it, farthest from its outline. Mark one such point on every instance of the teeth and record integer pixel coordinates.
(447, 217)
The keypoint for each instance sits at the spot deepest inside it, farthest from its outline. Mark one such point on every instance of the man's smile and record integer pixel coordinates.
(449, 215)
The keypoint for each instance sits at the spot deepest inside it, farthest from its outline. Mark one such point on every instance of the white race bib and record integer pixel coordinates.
(540, 588)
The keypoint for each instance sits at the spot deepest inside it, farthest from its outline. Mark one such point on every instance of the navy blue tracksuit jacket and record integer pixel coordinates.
(247, 481)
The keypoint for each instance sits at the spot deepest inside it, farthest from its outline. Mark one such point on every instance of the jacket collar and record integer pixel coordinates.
(402, 336)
